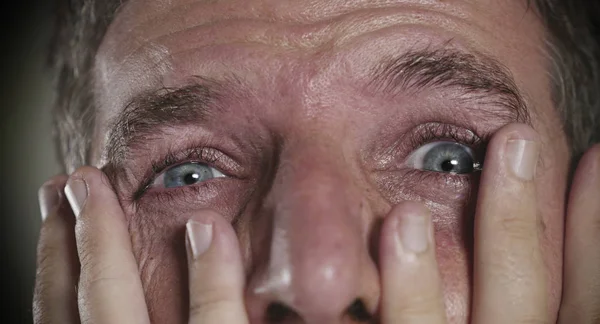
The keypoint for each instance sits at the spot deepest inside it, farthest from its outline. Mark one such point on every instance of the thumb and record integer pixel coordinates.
(216, 275)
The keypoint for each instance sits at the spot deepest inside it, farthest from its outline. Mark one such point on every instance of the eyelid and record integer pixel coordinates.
(159, 179)
(201, 154)
(394, 157)
(415, 159)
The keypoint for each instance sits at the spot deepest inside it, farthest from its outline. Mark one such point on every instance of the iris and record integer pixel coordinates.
(449, 157)
(187, 174)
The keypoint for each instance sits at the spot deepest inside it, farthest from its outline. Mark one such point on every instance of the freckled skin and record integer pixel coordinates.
(307, 213)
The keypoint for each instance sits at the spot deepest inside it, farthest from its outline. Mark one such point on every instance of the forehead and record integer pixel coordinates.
(156, 43)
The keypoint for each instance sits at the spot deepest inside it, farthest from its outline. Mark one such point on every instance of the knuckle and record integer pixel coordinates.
(84, 171)
(103, 276)
(534, 320)
(518, 228)
(421, 305)
(211, 301)
(56, 180)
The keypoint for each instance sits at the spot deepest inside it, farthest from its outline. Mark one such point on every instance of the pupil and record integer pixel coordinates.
(448, 165)
(191, 178)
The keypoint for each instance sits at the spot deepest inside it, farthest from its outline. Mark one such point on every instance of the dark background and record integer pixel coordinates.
(27, 154)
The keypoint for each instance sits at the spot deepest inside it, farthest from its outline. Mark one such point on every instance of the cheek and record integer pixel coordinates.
(159, 248)
(454, 248)
(455, 272)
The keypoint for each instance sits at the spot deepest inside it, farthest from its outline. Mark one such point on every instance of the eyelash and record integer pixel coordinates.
(204, 155)
(420, 136)
(433, 132)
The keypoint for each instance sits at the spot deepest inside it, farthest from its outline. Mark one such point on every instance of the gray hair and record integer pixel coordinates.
(572, 47)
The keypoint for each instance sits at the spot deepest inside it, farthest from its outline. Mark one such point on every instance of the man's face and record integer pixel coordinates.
(303, 122)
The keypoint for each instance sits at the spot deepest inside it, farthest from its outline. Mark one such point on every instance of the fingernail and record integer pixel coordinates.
(49, 199)
(414, 232)
(76, 192)
(200, 236)
(522, 157)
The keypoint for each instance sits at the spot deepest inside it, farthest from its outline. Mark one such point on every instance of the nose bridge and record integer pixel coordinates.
(319, 264)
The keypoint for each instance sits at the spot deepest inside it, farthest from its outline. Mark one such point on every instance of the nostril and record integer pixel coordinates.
(278, 313)
(358, 312)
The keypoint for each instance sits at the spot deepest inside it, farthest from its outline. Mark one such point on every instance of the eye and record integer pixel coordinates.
(186, 174)
(449, 157)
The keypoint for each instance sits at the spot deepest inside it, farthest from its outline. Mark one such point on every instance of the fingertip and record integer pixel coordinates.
(207, 229)
(590, 162)
(595, 149)
(409, 208)
(92, 176)
(89, 183)
(216, 275)
(85, 171)
(50, 195)
(581, 242)
(58, 180)
(407, 230)
(411, 284)
(76, 192)
(513, 151)
(76, 189)
(199, 237)
(515, 131)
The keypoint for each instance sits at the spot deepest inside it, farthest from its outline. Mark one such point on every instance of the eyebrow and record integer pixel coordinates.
(478, 77)
(150, 112)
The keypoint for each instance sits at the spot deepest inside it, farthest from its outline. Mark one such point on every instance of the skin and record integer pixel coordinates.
(93, 224)
(311, 193)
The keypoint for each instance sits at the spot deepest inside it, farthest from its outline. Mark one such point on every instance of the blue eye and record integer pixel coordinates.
(186, 174)
(448, 157)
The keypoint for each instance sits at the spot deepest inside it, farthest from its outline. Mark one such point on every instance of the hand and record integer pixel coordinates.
(87, 271)
(509, 281)
(509, 273)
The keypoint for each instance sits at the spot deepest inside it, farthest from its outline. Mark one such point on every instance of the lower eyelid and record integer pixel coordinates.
(445, 177)
(418, 181)
(159, 180)
(451, 190)
(204, 190)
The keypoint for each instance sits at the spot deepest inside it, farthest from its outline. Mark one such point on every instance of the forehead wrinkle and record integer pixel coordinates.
(334, 32)
(303, 13)
(453, 16)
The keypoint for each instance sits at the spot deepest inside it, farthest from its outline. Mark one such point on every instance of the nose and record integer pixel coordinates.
(317, 267)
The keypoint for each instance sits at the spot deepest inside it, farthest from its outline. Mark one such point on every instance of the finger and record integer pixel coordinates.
(581, 293)
(216, 274)
(110, 289)
(411, 285)
(55, 296)
(509, 273)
